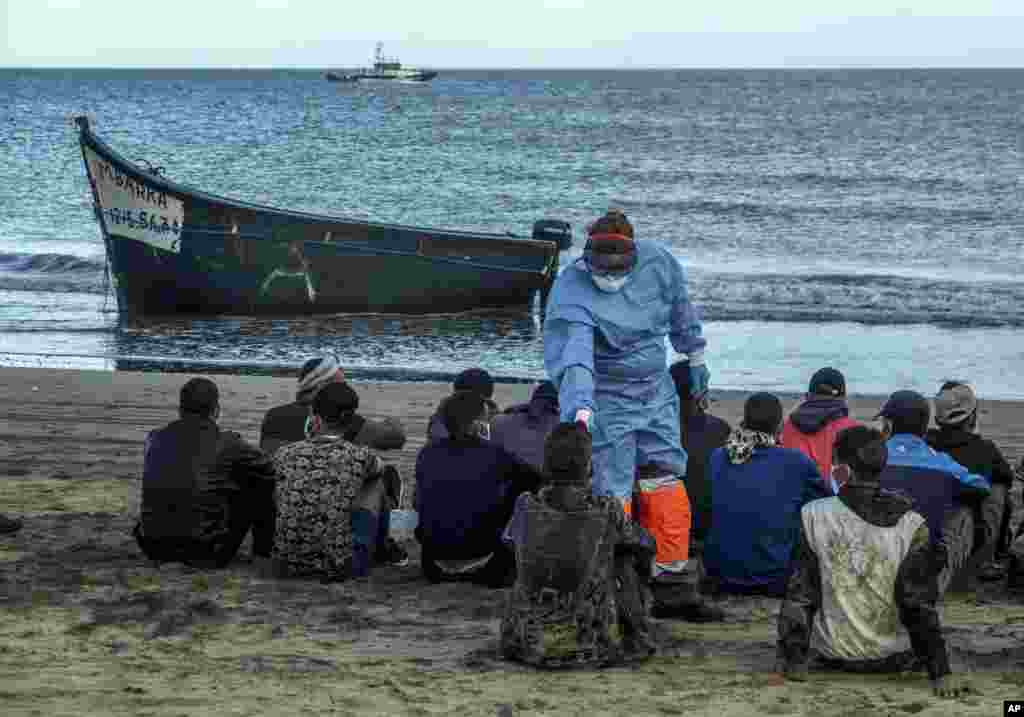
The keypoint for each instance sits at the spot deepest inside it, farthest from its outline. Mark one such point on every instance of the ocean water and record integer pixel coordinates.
(870, 220)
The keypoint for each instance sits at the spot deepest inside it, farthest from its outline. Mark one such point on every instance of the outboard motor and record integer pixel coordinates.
(554, 230)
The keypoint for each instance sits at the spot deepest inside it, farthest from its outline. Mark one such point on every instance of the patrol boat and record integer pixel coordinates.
(387, 69)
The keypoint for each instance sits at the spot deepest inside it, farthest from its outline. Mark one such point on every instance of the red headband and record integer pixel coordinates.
(602, 236)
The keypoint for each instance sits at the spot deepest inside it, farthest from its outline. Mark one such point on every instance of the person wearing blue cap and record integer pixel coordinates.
(607, 320)
(943, 491)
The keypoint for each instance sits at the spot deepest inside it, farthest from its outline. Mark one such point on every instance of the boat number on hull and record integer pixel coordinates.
(134, 210)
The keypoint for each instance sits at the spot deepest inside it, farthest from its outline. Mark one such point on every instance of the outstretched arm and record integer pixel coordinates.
(569, 360)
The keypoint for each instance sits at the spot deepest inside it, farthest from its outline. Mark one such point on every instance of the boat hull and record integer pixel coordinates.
(173, 250)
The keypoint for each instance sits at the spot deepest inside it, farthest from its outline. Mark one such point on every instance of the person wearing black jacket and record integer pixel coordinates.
(466, 488)
(288, 423)
(864, 585)
(203, 489)
(701, 434)
(956, 415)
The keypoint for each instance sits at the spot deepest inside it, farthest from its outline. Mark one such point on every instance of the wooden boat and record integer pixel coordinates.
(173, 249)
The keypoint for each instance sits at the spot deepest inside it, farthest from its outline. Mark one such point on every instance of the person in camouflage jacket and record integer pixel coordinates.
(581, 562)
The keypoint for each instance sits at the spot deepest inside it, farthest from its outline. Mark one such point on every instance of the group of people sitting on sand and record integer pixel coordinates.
(613, 496)
(859, 529)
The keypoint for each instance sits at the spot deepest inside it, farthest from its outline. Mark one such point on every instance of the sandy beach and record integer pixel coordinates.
(89, 627)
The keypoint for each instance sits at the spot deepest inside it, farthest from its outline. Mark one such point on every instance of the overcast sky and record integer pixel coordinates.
(513, 33)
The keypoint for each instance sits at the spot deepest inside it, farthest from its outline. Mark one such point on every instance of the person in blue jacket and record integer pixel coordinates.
(607, 320)
(943, 491)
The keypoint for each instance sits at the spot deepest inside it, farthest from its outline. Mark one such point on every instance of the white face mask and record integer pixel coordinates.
(609, 284)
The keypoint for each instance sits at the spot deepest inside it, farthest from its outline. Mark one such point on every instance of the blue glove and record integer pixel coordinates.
(700, 377)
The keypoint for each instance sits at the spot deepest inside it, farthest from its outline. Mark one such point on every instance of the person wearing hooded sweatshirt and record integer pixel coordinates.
(610, 317)
(943, 491)
(466, 488)
(757, 491)
(578, 597)
(956, 415)
(864, 585)
(812, 428)
(290, 423)
(523, 428)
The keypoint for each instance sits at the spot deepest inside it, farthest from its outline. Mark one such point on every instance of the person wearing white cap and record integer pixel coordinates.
(956, 415)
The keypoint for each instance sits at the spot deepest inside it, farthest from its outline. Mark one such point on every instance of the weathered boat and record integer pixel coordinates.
(174, 249)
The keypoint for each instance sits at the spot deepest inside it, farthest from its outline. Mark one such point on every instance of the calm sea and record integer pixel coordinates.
(871, 220)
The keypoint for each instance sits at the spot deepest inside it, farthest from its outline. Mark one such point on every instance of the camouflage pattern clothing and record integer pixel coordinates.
(577, 599)
(317, 482)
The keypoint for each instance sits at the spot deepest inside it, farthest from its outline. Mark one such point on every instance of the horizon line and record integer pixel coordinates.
(618, 68)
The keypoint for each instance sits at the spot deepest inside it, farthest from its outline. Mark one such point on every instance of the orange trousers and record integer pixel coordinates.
(663, 509)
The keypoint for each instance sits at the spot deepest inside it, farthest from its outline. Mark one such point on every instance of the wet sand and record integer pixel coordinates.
(88, 627)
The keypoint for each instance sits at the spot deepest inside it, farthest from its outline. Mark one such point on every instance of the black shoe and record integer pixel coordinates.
(393, 554)
(9, 525)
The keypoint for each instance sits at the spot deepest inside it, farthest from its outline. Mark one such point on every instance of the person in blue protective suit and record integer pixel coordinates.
(607, 319)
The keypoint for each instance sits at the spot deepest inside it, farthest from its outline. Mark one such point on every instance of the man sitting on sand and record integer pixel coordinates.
(577, 597)
(287, 424)
(701, 434)
(203, 488)
(943, 491)
(330, 495)
(812, 428)
(757, 492)
(863, 591)
(522, 429)
(956, 415)
(474, 380)
(466, 488)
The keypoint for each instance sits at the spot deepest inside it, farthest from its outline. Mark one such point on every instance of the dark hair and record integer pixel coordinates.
(916, 425)
(335, 403)
(762, 412)
(863, 449)
(613, 222)
(460, 410)
(567, 452)
(950, 384)
(199, 396)
(475, 379)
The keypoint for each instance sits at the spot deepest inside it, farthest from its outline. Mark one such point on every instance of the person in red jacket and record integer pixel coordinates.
(812, 428)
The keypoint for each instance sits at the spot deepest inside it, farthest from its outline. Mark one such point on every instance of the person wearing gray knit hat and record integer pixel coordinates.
(289, 423)
(956, 418)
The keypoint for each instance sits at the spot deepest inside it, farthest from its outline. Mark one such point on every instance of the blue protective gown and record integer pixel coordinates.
(607, 352)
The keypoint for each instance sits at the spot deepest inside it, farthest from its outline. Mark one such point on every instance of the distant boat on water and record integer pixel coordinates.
(385, 69)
